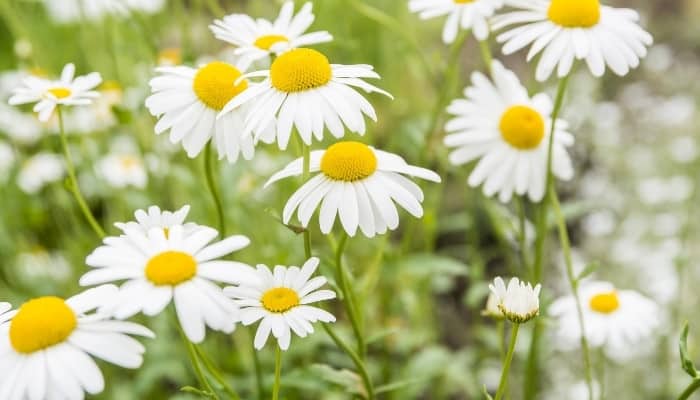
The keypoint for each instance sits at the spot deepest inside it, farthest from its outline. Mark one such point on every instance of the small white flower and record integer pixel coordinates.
(47, 94)
(48, 343)
(155, 218)
(519, 302)
(302, 89)
(281, 300)
(68, 11)
(465, 14)
(618, 320)
(491, 309)
(41, 169)
(357, 183)
(123, 170)
(256, 39)
(568, 30)
(172, 265)
(508, 131)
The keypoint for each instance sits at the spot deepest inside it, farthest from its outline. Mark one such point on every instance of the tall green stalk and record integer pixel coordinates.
(349, 297)
(306, 149)
(506, 364)
(366, 379)
(278, 374)
(214, 190)
(73, 184)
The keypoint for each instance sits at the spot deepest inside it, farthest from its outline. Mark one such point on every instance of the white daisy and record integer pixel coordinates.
(155, 218)
(465, 14)
(67, 11)
(509, 131)
(164, 265)
(256, 39)
(618, 320)
(187, 100)
(303, 89)
(281, 300)
(48, 344)
(519, 302)
(568, 30)
(123, 170)
(40, 170)
(359, 184)
(48, 94)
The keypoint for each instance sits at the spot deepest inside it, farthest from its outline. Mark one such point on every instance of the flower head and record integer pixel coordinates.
(256, 39)
(464, 14)
(500, 124)
(519, 302)
(302, 89)
(154, 217)
(173, 264)
(357, 183)
(48, 344)
(568, 30)
(40, 170)
(281, 299)
(123, 170)
(47, 94)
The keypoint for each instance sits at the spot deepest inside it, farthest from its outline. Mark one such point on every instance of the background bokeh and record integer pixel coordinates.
(632, 206)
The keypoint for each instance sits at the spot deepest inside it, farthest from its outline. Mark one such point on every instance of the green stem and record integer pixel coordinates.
(258, 374)
(192, 353)
(306, 149)
(355, 359)
(278, 373)
(506, 365)
(573, 283)
(349, 297)
(74, 188)
(486, 54)
(694, 385)
(531, 372)
(522, 234)
(214, 190)
(215, 8)
(216, 373)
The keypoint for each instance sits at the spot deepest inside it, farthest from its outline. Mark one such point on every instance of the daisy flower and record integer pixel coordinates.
(357, 183)
(508, 130)
(519, 302)
(40, 170)
(256, 39)
(122, 170)
(186, 102)
(465, 14)
(280, 299)
(619, 321)
(48, 344)
(568, 30)
(155, 218)
(172, 265)
(303, 89)
(47, 94)
(68, 11)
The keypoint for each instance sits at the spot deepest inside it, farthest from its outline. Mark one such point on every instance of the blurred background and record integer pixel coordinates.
(632, 206)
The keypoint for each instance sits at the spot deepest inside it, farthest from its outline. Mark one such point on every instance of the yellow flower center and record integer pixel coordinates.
(171, 268)
(214, 84)
(60, 92)
(129, 162)
(348, 161)
(605, 302)
(41, 323)
(574, 13)
(463, 1)
(522, 127)
(267, 41)
(300, 69)
(279, 300)
(170, 56)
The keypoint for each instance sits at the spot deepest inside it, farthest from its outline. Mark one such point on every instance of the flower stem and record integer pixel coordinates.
(214, 190)
(694, 385)
(522, 234)
(349, 296)
(506, 364)
(194, 360)
(355, 359)
(216, 373)
(486, 54)
(73, 185)
(306, 149)
(278, 373)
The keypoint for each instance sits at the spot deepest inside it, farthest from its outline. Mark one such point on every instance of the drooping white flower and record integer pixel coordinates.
(519, 302)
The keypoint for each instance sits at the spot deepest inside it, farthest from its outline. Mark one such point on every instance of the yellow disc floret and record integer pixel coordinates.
(41, 323)
(280, 299)
(348, 161)
(300, 69)
(605, 302)
(60, 92)
(267, 41)
(171, 268)
(574, 13)
(463, 1)
(215, 84)
(522, 127)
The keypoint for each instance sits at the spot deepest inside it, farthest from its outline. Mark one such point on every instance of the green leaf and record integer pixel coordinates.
(686, 362)
(349, 380)
(590, 268)
(390, 387)
(194, 390)
(486, 393)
